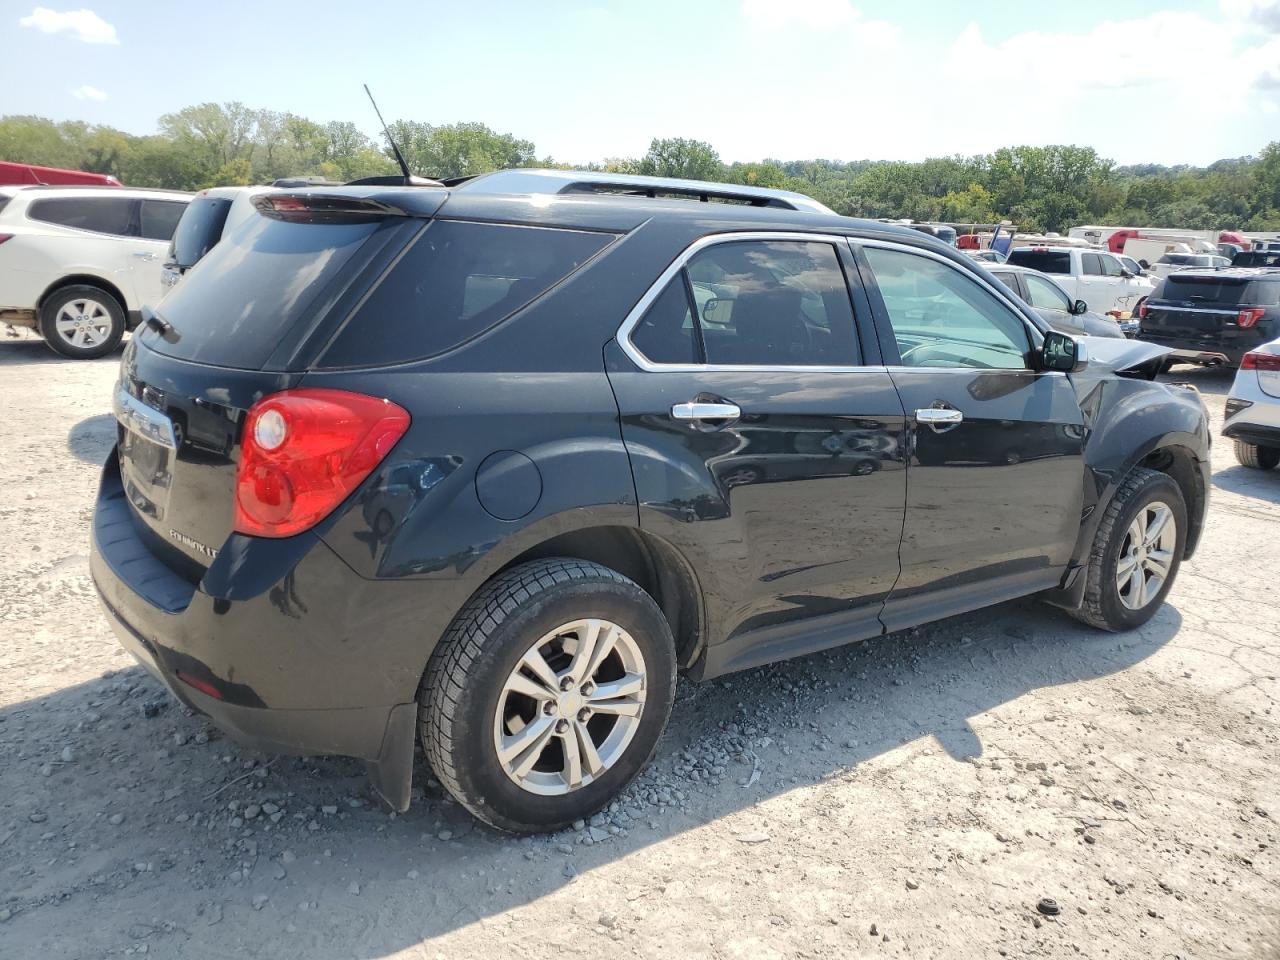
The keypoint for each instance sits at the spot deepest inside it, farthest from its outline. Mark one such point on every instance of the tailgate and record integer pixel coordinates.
(178, 442)
(1191, 324)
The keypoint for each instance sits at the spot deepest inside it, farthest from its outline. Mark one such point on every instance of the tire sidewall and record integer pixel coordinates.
(58, 299)
(476, 762)
(1163, 488)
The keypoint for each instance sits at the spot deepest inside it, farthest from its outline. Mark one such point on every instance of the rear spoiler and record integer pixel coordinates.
(324, 208)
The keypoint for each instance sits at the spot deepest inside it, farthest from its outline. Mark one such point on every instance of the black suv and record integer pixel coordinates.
(1213, 317)
(487, 470)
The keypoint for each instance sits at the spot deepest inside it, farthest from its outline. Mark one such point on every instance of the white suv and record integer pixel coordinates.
(79, 263)
(211, 215)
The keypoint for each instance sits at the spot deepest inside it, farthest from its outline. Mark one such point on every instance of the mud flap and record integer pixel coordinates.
(392, 773)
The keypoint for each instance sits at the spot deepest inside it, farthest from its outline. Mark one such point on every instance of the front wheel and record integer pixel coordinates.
(1136, 552)
(1260, 458)
(547, 694)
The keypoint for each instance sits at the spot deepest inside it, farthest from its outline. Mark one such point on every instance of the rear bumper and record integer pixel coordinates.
(1263, 435)
(281, 644)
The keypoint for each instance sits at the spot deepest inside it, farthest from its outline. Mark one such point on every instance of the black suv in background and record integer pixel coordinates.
(1213, 317)
(485, 471)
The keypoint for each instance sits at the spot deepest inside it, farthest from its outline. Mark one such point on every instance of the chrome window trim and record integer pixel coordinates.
(1226, 313)
(633, 318)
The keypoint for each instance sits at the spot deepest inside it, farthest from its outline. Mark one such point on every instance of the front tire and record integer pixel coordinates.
(547, 694)
(1257, 457)
(1136, 552)
(82, 322)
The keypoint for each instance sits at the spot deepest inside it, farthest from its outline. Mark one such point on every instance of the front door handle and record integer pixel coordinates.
(145, 256)
(940, 419)
(698, 410)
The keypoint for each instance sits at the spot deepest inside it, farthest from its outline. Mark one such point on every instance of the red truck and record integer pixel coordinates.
(26, 174)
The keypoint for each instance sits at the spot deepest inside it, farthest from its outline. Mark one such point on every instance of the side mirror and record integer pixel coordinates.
(1078, 308)
(1127, 274)
(1061, 352)
(712, 309)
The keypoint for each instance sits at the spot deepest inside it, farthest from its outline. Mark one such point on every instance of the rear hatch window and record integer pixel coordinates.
(259, 293)
(199, 230)
(456, 281)
(1227, 291)
(1046, 261)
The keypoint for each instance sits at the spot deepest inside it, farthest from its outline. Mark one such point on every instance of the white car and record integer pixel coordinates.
(211, 215)
(1253, 408)
(1094, 276)
(78, 264)
(1185, 261)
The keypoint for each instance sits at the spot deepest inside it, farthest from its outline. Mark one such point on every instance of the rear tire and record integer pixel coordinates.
(506, 738)
(1257, 457)
(1121, 552)
(82, 322)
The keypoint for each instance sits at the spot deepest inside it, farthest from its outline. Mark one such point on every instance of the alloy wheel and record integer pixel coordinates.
(83, 323)
(1146, 556)
(570, 708)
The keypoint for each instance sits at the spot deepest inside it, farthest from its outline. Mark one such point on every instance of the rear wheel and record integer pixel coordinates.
(82, 322)
(547, 694)
(1136, 552)
(1258, 457)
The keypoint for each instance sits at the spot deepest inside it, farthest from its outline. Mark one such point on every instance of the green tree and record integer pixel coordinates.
(678, 157)
(458, 149)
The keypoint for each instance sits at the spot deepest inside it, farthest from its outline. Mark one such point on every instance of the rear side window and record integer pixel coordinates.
(666, 334)
(1046, 261)
(159, 218)
(199, 229)
(254, 286)
(456, 281)
(1045, 295)
(1090, 265)
(113, 215)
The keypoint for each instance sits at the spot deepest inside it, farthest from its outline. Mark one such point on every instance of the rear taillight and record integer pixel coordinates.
(1260, 361)
(1143, 309)
(1249, 316)
(304, 451)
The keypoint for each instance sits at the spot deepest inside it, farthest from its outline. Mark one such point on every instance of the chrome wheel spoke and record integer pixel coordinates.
(538, 666)
(523, 749)
(519, 683)
(1146, 555)
(590, 756)
(572, 757)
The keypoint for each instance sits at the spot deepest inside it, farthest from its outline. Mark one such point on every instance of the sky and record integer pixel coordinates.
(1163, 82)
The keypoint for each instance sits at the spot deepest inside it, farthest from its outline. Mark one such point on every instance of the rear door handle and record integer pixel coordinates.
(706, 411)
(145, 256)
(940, 419)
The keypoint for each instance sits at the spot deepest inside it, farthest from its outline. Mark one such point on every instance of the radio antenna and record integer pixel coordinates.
(404, 167)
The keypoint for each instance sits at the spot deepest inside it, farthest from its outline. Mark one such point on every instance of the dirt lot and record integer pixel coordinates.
(918, 795)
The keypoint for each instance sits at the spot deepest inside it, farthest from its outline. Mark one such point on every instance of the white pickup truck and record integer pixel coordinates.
(1094, 276)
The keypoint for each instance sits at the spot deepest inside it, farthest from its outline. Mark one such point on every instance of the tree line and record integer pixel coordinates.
(1038, 188)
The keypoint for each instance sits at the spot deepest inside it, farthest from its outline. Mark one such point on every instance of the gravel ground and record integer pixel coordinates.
(920, 794)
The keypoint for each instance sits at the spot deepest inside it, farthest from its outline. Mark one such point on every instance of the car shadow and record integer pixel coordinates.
(1213, 381)
(91, 439)
(154, 801)
(1249, 482)
(28, 349)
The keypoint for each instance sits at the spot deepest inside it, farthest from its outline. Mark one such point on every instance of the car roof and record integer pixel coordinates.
(91, 190)
(1234, 273)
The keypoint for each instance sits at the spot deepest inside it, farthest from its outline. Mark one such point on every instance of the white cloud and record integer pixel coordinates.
(1263, 14)
(87, 92)
(768, 15)
(84, 25)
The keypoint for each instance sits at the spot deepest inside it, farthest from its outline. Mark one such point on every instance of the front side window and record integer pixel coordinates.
(943, 318)
(1045, 295)
(113, 215)
(1111, 266)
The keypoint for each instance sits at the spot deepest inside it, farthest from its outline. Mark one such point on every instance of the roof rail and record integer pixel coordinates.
(593, 182)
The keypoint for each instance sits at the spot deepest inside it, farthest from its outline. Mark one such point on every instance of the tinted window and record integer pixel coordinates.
(199, 229)
(773, 303)
(943, 318)
(100, 214)
(1046, 261)
(456, 281)
(1009, 280)
(1110, 265)
(160, 217)
(665, 334)
(250, 290)
(1045, 295)
(1210, 289)
(1090, 264)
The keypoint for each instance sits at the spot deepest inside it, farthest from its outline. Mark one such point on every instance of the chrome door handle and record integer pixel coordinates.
(145, 256)
(941, 419)
(705, 411)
